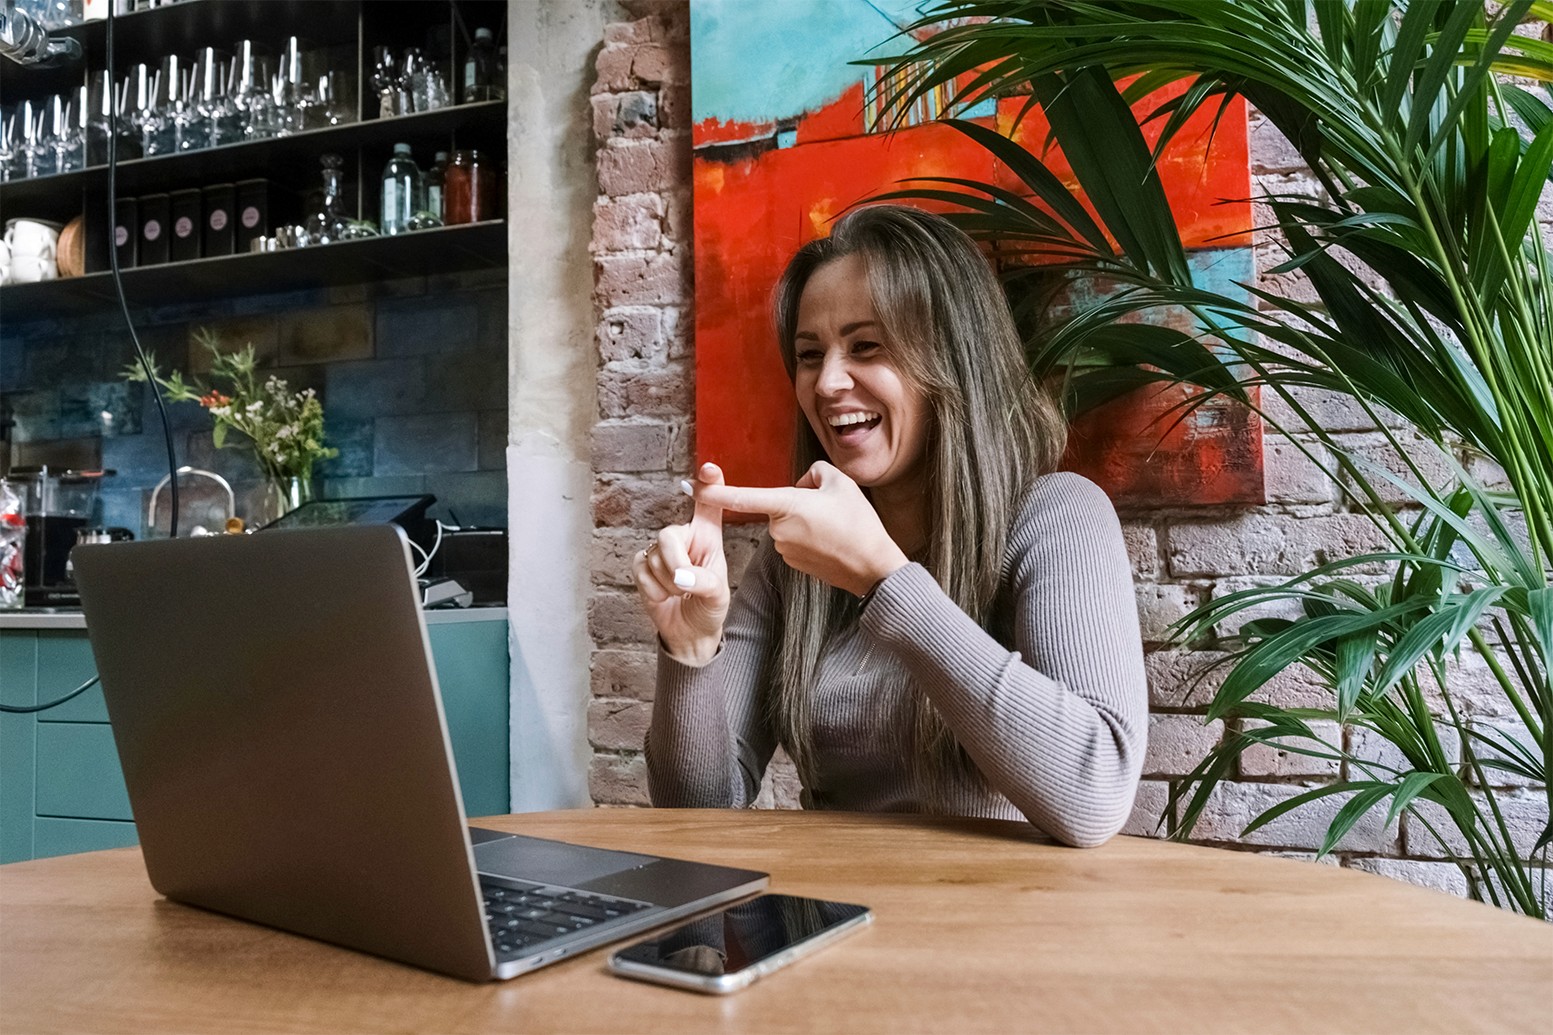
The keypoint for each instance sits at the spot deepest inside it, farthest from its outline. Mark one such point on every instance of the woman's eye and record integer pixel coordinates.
(863, 348)
(809, 356)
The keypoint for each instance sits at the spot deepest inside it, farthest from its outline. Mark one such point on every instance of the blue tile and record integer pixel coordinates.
(420, 326)
(394, 485)
(139, 459)
(101, 408)
(371, 388)
(354, 440)
(35, 415)
(478, 498)
(426, 443)
(466, 381)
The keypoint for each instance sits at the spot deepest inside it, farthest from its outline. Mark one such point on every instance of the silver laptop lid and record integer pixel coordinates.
(283, 739)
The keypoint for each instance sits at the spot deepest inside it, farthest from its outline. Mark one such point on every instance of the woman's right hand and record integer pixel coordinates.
(683, 581)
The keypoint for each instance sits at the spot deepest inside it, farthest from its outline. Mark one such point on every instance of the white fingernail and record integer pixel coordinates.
(686, 487)
(684, 578)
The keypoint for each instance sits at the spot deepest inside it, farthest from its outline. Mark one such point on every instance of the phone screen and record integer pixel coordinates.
(741, 936)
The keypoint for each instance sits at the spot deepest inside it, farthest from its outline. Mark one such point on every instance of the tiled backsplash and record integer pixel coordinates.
(412, 374)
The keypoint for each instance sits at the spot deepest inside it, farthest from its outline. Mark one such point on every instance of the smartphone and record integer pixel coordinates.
(730, 949)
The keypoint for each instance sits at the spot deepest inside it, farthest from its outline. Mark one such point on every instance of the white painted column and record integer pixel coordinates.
(551, 187)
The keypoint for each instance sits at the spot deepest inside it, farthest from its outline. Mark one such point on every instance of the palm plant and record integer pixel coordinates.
(1421, 125)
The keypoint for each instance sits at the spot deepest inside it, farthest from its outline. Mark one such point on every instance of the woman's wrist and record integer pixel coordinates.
(696, 653)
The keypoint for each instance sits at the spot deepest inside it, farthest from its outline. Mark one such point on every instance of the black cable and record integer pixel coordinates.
(15, 709)
(118, 283)
(140, 352)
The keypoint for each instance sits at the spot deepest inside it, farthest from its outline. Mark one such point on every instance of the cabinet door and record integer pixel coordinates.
(471, 663)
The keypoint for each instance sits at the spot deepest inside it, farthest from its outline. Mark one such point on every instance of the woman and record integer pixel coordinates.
(938, 624)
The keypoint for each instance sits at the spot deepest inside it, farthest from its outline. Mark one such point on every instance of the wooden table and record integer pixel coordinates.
(978, 926)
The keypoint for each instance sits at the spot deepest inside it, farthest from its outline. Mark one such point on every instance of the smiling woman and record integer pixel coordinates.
(938, 623)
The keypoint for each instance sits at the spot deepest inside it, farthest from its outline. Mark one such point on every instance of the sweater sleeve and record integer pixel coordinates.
(708, 743)
(1059, 727)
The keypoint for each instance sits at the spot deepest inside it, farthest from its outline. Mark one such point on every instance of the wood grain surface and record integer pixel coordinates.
(979, 926)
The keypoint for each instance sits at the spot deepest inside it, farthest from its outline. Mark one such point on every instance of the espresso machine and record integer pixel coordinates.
(60, 507)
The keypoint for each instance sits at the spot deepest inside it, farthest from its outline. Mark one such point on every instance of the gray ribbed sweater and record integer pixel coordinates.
(1054, 716)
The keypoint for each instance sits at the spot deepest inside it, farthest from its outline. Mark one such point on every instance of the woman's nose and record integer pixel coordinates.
(834, 376)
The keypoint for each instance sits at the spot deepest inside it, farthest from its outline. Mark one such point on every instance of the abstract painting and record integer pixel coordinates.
(786, 139)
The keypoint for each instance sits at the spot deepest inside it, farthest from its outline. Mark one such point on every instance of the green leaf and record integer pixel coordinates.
(1352, 811)
(1411, 787)
(1437, 633)
(1355, 658)
(218, 434)
(1290, 804)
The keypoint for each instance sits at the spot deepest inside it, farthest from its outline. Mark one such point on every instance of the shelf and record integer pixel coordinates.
(290, 160)
(183, 28)
(448, 249)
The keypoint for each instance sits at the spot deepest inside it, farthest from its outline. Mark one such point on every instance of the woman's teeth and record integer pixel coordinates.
(845, 419)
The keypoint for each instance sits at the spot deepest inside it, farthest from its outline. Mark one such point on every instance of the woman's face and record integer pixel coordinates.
(870, 418)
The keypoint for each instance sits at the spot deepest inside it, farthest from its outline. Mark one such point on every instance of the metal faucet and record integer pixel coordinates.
(156, 494)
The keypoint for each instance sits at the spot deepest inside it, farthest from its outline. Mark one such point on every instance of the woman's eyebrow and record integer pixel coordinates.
(846, 329)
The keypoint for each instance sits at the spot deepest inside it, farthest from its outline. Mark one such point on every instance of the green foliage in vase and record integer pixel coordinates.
(1423, 294)
(284, 428)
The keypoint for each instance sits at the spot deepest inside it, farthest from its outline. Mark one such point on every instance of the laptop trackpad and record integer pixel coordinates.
(552, 862)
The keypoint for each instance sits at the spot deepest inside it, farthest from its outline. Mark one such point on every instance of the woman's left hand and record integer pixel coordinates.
(823, 526)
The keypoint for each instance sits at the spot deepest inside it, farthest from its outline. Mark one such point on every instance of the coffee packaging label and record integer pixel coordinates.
(218, 219)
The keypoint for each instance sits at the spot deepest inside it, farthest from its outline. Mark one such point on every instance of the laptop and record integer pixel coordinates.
(287, 760)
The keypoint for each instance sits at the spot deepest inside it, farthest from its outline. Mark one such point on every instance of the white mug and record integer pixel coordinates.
(29, 269)
(32, 237)
(5, 263)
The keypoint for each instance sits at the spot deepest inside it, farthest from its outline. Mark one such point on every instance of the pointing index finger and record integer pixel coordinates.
(771, 502)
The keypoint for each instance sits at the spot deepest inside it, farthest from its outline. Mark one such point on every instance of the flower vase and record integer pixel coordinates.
(283, 495)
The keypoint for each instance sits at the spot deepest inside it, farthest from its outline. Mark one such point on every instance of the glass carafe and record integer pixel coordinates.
(329, 221)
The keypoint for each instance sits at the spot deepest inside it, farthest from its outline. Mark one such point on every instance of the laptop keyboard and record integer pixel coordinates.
(522, 916)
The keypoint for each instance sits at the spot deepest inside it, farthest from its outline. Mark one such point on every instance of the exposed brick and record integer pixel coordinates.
(618, 725)
(1268, 544)
(656, 63)
(630, 223)
(1525, 815)
(739, 545)
(618, 780)
(1291, 476)
(1376, 451)
(781, 787)
(681, 445)
(1272, 760)
(1278, 607)
(643, 30)
(1328, 411)
(613, 552)
(1178, 743)
(639, 503)
(624, 673)
(1160, 605)
(678, 226)
(643, 166)
(1438, 876)
(1182, 679)
(630, 446)
(678, 326)
(639, 279)
(1369, 746)
(1271, 151)
(642, 391)
(1143, 548)
(1147, 809)
(1472, 686)
(324, 335)
(616, 617)
(1502, 732)
(632, 332)
(674, 106)
(613, 66)
(1232, 806)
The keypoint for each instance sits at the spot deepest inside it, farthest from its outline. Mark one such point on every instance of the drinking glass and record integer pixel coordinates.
(66, 134)
(385, 82)
(210, 97)
(144, 116)
(183, 128)
(36, 155)
(97, 116)
(336, 100)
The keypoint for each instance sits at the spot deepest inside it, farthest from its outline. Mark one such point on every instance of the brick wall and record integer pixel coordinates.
(1182, 557)
(412, 374)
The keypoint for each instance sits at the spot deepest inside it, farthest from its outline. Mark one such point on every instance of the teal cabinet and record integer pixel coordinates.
(61, 789)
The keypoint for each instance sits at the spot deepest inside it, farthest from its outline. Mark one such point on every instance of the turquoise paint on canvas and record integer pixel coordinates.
(742, 47)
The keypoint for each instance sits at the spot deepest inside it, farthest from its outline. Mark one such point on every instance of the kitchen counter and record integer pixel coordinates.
(60, 618)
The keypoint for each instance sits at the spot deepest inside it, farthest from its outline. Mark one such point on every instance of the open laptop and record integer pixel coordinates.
(287, 760)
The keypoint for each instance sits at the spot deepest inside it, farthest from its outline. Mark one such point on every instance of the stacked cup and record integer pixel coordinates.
(30, 253)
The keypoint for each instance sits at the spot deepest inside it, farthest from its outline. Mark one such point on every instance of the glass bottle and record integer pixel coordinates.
(458, 189)
(329, 221)
(401, 191)
(480, 69)
(435, 176)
